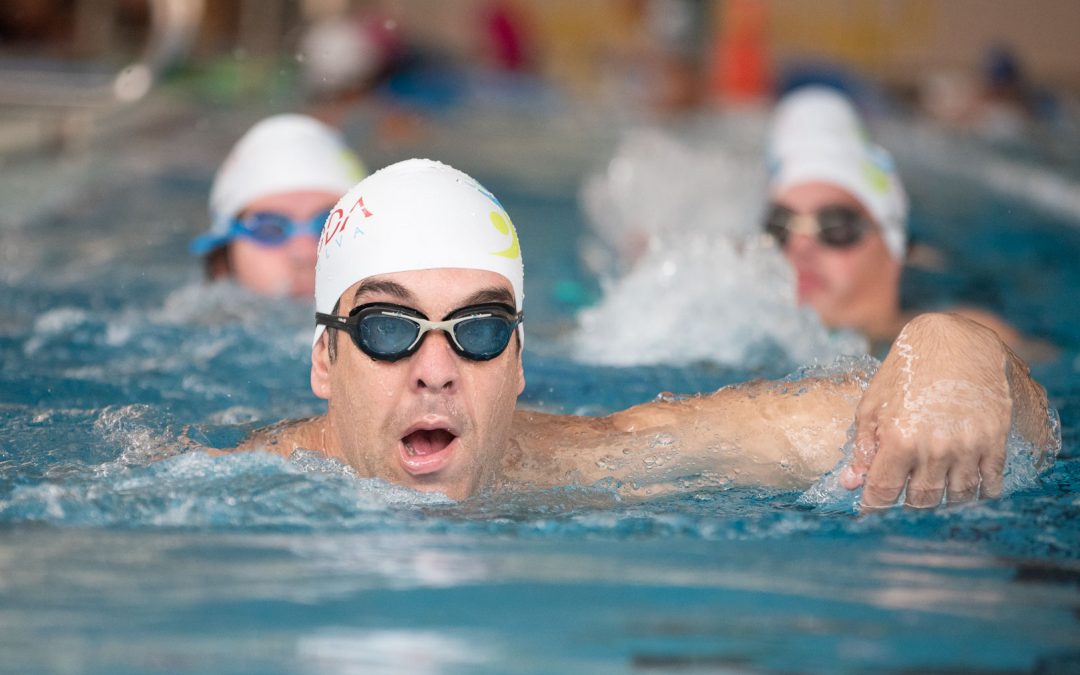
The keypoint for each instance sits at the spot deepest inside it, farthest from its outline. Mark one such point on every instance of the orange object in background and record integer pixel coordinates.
(740, 68)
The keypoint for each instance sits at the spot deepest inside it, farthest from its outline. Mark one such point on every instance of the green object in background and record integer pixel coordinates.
(573, 294)
(234, 79)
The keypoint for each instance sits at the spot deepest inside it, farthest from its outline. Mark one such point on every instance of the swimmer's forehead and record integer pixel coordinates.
(487, 288)
(813, 195)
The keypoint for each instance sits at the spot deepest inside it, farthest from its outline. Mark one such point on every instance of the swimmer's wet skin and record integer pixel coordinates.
(441, 419)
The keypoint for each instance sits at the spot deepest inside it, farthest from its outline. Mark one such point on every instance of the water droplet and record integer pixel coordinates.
(662, 440)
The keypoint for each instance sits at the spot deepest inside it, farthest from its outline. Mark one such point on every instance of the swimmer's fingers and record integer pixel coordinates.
(963, 482)
(992, 473)
(988, 456)
(895, 459)
(963, 477)
(864, 447)
(956, 462)
(926, 486)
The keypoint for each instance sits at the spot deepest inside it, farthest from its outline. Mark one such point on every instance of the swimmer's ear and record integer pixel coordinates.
(320, 368)
(521, 374)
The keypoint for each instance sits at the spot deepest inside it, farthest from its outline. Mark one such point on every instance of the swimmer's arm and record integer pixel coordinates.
(935, 418)
(782, 434)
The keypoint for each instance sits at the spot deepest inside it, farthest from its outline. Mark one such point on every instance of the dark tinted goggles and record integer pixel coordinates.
(271, 228)
(389, 332)
(834, 226)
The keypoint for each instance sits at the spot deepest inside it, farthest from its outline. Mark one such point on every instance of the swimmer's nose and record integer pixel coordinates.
(302, 249)
(435, 365)
(302, 254)
(799, 244)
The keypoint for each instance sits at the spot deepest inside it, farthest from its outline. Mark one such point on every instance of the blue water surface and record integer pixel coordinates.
(122, 550)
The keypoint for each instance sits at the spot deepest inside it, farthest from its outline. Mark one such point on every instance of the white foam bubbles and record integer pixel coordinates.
(706, 298)
(52, 323)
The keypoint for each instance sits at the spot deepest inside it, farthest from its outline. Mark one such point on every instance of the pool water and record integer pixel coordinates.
(122, 551)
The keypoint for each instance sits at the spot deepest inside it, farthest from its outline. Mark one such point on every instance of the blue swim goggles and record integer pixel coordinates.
(270, 228)
(389, 332)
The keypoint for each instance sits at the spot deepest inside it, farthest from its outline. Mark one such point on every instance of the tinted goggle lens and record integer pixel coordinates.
(484, 337)
(836, 226)
(840, 226)
(385, 336)
(389, 332)
(269, 227)
(777, 222)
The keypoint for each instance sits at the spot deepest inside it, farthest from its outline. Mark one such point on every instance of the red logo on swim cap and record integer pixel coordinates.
(338, 220)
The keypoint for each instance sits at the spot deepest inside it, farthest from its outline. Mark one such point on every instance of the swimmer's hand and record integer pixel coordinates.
(936, 416)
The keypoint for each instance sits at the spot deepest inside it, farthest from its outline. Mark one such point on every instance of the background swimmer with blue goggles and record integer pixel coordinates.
(269, 201)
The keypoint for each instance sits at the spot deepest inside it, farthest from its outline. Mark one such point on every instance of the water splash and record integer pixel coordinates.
(709, 299)
(678, 220)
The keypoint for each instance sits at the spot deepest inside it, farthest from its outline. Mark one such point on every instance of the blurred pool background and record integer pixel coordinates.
(122, 553)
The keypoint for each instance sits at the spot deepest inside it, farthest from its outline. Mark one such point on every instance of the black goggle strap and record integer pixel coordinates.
(332, 321)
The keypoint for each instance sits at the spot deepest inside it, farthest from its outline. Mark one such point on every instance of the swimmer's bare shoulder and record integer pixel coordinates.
(287, 436)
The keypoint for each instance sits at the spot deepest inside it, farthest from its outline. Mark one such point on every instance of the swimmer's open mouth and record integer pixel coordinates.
(425, 442)
(426, 450)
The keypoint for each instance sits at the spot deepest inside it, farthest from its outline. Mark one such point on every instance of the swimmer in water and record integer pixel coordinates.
(417, 351)
(838, 210)
(269, 200)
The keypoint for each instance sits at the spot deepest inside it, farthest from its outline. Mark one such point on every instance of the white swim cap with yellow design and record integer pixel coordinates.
(818, 136)
(414, 215)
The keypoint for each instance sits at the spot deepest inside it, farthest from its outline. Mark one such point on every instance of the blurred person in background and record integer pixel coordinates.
(345, 58)
(838, 210)
(1000, 103)
(269, 200)
(363, 72)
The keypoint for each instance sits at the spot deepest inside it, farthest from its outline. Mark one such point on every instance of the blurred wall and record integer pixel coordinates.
(900, 40)
(580, 43)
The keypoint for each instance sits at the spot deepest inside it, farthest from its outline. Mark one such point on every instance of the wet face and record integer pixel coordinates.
(433, 421)
(286, 269)
(844, 285)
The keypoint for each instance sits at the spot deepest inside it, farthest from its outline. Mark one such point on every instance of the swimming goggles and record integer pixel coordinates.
(272, 229)
(833, 226)
(389, 332)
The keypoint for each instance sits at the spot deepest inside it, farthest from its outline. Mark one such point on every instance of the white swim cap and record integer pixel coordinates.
(814, 111)
(283, 153)
(817, 136)
(414, 215)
